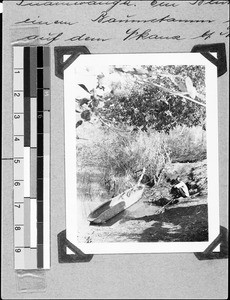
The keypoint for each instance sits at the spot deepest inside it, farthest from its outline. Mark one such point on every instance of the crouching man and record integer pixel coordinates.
(180, 189)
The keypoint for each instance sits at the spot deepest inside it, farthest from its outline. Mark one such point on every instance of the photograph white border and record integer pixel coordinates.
(72, 204)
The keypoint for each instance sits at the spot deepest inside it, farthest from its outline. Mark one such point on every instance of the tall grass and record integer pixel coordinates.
(120, 156)
(187, 144)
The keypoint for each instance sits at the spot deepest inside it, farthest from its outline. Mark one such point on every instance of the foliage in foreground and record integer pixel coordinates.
(147, 97)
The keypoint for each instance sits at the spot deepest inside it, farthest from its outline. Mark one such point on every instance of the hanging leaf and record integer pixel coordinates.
(140, 71)
(79, 123)
(119, 70)
(190, 88)
(84, 88)
(83, 101)
(181, 85)
(86, 115)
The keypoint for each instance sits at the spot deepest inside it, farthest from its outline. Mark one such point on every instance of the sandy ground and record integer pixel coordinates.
(140, 223)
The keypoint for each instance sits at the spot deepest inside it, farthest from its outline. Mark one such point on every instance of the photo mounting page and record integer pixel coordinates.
(141, 153)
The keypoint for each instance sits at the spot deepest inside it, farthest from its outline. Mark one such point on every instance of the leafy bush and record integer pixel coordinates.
(151, 108)
(148, 97)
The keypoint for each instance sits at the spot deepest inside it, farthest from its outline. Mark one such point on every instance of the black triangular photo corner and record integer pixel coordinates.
(222, 240)
(78, 255)
(73, 51)
(220, 62)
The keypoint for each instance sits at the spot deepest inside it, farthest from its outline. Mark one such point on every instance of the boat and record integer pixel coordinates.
(114, 206)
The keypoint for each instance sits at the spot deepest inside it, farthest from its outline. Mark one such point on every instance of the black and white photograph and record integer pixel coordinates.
(115, 129)
(140, 150)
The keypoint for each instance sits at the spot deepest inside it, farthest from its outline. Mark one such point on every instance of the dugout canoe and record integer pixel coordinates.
(114, 206)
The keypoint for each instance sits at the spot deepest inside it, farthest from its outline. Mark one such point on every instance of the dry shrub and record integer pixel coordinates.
(124, 156)
(187, 144)
(120, 155)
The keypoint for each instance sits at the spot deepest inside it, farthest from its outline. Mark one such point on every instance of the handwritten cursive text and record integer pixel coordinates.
(103, 18)
(53, 37)
(156, 3)
(211, 2)
(38, 21)
(84, 37)
(148, 35)
(109, 4)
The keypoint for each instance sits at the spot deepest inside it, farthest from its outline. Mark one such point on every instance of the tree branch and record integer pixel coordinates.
(175, 94)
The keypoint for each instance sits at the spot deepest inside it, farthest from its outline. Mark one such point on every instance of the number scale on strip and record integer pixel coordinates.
(31, 126)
